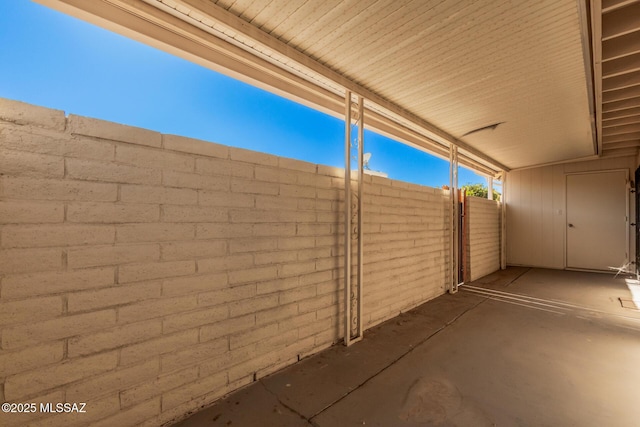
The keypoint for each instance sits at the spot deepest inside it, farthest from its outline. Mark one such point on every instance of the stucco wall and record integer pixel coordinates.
(148, 274)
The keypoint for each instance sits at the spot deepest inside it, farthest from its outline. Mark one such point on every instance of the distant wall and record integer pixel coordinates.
(150, 274)
(484, 236)
(536, 210)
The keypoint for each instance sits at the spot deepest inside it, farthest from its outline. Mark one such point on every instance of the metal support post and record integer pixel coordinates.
(490, 188)
(353, 330)
(360, 212)
(503, 222)
(455, 208)
(347, 218)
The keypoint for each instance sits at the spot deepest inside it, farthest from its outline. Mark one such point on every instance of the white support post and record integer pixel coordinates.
(490, 188)
(503, 222)
(454, 218)
(347, 218)
(360, 211)
(353, 330)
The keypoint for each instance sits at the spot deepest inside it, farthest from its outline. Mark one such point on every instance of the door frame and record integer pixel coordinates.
(627, 213)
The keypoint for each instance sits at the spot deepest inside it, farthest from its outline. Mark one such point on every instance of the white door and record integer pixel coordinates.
(597, 220)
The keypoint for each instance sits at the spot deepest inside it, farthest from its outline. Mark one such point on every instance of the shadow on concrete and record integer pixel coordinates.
(556, 352)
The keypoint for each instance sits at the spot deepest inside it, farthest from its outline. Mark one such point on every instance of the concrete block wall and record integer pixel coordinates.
(148, 274)
(483, 216)
(406, 247)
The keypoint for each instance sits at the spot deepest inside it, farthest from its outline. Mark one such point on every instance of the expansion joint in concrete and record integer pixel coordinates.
(285, 405)
(396, 360)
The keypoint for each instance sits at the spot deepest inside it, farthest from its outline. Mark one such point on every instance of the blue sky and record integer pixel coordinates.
(57, 61)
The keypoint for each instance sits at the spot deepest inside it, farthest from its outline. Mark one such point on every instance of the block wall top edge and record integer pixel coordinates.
(21, 113)
(475, 199)
(99, 128)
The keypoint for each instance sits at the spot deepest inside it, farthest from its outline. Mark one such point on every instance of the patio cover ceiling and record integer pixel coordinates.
(432, 72)
(618, 73)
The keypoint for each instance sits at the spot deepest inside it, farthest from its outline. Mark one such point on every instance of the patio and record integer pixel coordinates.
(518, 347)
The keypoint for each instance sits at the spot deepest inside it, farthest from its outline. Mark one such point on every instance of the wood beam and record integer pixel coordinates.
(595, 9)
(590, 74)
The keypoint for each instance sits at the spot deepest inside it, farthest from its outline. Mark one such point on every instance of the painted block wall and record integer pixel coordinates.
(406, 247)
(484, 236)
(148, 275)
(536, 210)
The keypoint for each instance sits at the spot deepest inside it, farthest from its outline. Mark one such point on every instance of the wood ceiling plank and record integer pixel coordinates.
(471, 75)
(307, 39)
(623, 144)
(237, 24)
(620, 152)
(631, 120)
(447, 49)
(472, 61)
(349, 27)
(252, 9)
(621, 46)
(417, 36)
(277, 12)
(621, 94)
(398, 31)
(621, 21)
(611, 5)
(621, 81)
(621, 138)
(621, 105)
(621, 130)
(460, 63)
(306, 16)
(628, 112)
(626, 64)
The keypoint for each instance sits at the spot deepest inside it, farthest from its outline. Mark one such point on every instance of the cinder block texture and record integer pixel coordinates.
(484, 236)
(151, 274)
(21, 113)
(405, 247)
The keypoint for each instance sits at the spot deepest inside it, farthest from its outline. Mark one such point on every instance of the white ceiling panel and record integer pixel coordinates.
(441, 69)
(459, 64)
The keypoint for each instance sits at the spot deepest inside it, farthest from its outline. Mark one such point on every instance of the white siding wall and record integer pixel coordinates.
(536, 210)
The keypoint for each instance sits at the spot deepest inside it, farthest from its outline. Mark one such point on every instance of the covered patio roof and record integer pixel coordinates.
(511, 84)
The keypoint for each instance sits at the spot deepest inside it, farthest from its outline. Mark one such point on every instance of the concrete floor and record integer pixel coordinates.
(520, 347)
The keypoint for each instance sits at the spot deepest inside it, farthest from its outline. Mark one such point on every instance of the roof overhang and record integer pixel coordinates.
(304, 54)
(617, 72)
